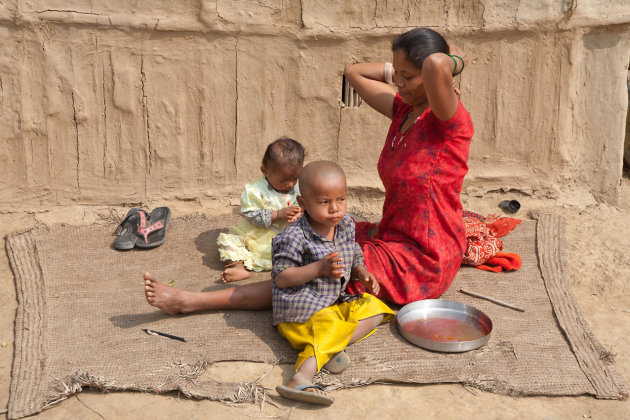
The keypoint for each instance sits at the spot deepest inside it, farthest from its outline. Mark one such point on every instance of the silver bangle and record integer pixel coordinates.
(387, 71)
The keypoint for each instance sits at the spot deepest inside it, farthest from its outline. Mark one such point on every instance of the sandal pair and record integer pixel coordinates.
(141, 229)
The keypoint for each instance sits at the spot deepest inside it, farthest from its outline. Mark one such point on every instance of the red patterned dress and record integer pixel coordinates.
(421, 238)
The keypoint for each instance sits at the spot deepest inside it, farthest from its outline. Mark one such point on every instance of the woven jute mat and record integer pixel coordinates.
(81, 311)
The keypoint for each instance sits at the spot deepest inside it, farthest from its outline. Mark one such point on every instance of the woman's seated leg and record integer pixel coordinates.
(253, 296)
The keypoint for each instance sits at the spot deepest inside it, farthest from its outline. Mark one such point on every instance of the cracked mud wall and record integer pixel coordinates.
(125, 102)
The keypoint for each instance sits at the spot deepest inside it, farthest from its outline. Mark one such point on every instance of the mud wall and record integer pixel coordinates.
(125, 102)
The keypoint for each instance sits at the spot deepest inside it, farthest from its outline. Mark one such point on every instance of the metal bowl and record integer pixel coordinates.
(444, 325)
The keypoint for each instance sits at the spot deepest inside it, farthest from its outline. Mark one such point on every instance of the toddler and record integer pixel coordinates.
(313, 260)
(268, 206)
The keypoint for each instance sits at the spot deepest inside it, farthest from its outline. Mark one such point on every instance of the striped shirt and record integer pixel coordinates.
(300, 245)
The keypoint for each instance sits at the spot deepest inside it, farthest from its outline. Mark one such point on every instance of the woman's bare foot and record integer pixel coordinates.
(169, 299)
(235, 272)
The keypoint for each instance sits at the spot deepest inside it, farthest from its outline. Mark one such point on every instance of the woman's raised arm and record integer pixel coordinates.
(368, 80)
(437, 79)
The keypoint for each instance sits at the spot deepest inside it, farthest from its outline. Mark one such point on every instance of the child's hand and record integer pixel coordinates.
(289, 213)
(367, 279)
(332, 265)
(295, 217)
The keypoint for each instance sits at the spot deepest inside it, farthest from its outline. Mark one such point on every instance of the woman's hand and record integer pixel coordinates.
(368, 80)
(332, 266)
(456, 90)
(455, 50)
(367, 279)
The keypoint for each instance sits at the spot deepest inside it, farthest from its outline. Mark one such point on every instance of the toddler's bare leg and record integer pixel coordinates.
(234, 271)
(340, 361)
(254, 296)
(305, 374)
(365, 326)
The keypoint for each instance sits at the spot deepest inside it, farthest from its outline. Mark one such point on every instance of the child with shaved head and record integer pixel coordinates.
(313, 261)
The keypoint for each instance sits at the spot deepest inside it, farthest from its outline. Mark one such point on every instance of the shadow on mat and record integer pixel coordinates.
(206, 243)
(260, 324)
(133, 320)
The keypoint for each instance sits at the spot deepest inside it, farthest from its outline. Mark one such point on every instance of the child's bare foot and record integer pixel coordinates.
(300, 388)
(169, 299)
(299, 379)
(235, 272)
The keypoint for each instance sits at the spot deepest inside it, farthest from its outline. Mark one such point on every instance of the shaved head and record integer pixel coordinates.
(318, 174)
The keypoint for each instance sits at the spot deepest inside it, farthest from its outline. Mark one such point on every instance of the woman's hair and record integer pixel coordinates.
(284, 152)
(419, 43)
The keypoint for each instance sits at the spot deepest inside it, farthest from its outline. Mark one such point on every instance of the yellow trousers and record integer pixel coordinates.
(328, 331)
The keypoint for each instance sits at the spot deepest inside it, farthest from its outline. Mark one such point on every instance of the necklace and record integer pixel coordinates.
(397, 140)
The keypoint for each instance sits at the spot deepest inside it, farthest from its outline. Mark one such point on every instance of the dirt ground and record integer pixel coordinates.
(598, 252)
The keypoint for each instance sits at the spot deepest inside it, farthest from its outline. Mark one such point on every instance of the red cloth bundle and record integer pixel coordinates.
(484, 246)
(502, 226)
(502, 261)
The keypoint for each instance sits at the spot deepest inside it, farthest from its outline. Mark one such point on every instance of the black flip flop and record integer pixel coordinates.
(126, 230)
(153, 233)
(510, 206)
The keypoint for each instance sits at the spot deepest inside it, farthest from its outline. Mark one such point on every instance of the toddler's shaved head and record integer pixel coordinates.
(319, 173)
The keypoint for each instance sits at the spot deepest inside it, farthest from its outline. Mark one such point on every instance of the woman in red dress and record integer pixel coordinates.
(420, 241)
(417, 248)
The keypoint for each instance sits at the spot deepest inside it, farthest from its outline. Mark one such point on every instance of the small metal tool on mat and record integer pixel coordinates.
(153, 332)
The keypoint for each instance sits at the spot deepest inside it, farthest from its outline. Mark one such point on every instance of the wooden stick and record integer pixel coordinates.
(231, 264)
(498, 302)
